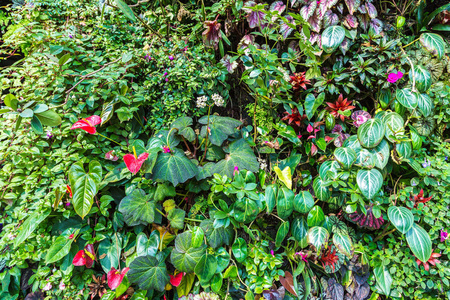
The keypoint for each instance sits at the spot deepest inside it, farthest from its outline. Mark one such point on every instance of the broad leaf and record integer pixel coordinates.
(434, 43)
(107, 111)
(401, 217)
(406, 98)
(352, 5)
(299, 231)
(422, 78)
(206, 267)
(321, 191)
(369, 182)
(239, 154)
(282, 232)
(384, 279)
(183, 126)
(404, 149)
(316, 217)
(329, 169)
(332, 37)
(176, 218)
(318, 237)
(49, 118)
(174, 167)
(343, 243)
(381, 153)
(126, 10)
(285, 176)
(219, 128)
(312, 103)
(240, 249)
(149, 273)
(138, 208)
(365, 158)
(425, 104)
(345, 156)
(60, 248)
(223, 259)
(285, 203)
(109, 252)
(420, 243)
(245, 210)
(303, 202)
(394, 125)
(184, 256)
(371, 133)
(216, 236)
(271, 197)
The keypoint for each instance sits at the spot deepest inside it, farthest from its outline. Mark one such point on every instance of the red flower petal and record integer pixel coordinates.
(94, 120)
(90, 255)
(69, 190)
(87, 124)
(176, 280)
(133, 164)
(115, 277)
(79, 259)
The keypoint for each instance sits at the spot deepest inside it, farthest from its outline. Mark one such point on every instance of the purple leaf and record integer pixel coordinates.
(314, 23)
(364, 21)
(315, 38)
(285, 29)
(307, 11)
(330, 19)
(211, 35)
(371, 10)
(325, 5)
(351, 22)
(278, 6)
(226, 61)
(376, 25)
(245, 42)
(254, 18)
(345, 45)
(352, 5)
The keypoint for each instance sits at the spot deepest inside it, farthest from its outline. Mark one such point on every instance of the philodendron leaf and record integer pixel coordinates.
(434, 43)
(285, 176)
(303, 202)
(401, 217)
(312, 103)
(176, 218)
(174, 167)
(369, 182)
(345, 156)
(384, 279)
(239, 155)
(318, 237)
(109, 252)
(84, 186)
(332, 37)
(138, 208)
(406, 98)
(149, 273)
(420, 243)
(185, 256)
(218, 128)
(371, 133)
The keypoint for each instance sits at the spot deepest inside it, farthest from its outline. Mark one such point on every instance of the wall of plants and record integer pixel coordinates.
(225, 149)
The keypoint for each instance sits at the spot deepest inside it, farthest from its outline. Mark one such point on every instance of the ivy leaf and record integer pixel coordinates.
(219, 128)
(185, 256)
(138, 208)
(176, 218)
(149, 273)
(239, 154)
(216, 236)
(174, 167)
(206, 267)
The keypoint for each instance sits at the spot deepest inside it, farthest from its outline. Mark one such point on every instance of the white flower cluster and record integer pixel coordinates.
(218, 100)
(201, 101)
(286, 76)
(262, 163)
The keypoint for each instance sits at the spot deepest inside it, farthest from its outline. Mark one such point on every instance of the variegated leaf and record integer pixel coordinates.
(371, 10)
(406, 98)
(369, 182)
(351, 22)
(285, 29)
(308, 10)
(317, 236)
(330, 19)
(394, 125)
(332, 37)
(376, 25)
(381, 153)
(345, 46)
(364, 21)
(433, 43)
(422, 78)
(352, 5)
(365, 158)
(425, 104)
(278, 6)
(314, 23)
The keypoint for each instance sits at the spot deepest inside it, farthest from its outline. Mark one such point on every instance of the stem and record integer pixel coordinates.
(384, 234)
(192, 220)
(412, 68)
(254, 120)
(207, 135)
(411, 43)
(109, 139)
(160, 212)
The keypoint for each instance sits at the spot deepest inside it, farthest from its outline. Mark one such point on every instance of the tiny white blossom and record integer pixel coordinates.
(201, 101)
(262, 163)
(218, 100)
(47, 287)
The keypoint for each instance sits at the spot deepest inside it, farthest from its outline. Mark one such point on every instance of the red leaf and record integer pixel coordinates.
(87, 124)
(133, 164)
(288, 282)
(176, 280)
(115, 277)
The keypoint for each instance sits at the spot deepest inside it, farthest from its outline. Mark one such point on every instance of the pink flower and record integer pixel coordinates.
(68, 204)
(444, 236)
(47, 287)
(393, 77)
(236, 170)
(271, 252)
(71, 236)
(166, 149)
(303, 256)
(167, 79)
(115, 277)
(310, 128)
(62, 286)
(87, 124)
(111, 156)
(299, 136)
(134, 163)
(171, 57)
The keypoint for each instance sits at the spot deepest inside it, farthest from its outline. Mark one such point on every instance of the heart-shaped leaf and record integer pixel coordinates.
(138, 208)
(369, 182)
(285, 176)
(420, 243)
(174, 167)
(149, 273)
(371, 133)
(303, 202)
(184, 256)
(401, 217)
(332, 37)
(206, 267)
(406, 98)
(345, 156)
(316, 217)
(219, 128)
(216, 236)
(434, 43)
(239, 155)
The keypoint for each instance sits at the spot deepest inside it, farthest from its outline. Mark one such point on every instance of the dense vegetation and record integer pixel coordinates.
(225, 149)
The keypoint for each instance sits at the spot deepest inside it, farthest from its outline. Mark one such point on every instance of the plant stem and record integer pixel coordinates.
(192, 220)
(384, 234)
(207, 135)
(411, 43)
(109, 139)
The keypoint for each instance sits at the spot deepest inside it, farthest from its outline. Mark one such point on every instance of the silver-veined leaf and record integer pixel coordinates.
(406, 98)
(420, 243)
(422, 78)
(332, 37)
(394, 125)
(425, 104)
(303, 202)
(371, 133)
(345, 156)
(434, 43)
(321, 191)
(384, 279)
(369, 182)
(343, 243)
(318, 237)
(401, 217)
(381, 153)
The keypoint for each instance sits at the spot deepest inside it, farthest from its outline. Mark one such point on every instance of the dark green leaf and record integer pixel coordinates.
(184, 256)
(138, 208)
(240, 249)
(126, 10)
(149, 273)
(174, 167)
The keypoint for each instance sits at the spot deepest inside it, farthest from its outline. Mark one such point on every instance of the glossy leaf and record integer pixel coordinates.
(126, 10)
(345, 156)
(384, 279)
(404, 149)
(312, 103)
(245, 210)
(285, 176)
(299, 230)
(59, 249)
(223, 259)
(271, 197)
(343, 243)
(176, 218)
(184, 256)
(401, 217)
(149, 273)
(332, 37)
(316, 217)
(381, 153)
(406, 98)
(109, 252)
(422, 78)
(425, 104)
(318, 237)
(239, 249)
(369, 182)
(49, 118)
(329, 166)
(282, 232)
(285, 203)
(365, 158)
(394, 125)
(186, 284)
(433, 43)
(321, 191)
(420, 243)
(216, 236)
(303, 202)
(371, 133)
(206, 267)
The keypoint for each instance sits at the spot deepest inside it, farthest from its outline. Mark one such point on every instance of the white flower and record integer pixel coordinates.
(62, 286)
(262, 163)
(47, 287)
(201, 101)
(286, 76)
(218, 100)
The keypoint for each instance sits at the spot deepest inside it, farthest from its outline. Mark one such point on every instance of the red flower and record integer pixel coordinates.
(340, 105)
(134, 164)
(294, 117)
(419, 198)
(329, 259)
(115, 277)
(71, 236)
(433, 261)
(298, 80)
(88, 124)
(85, 257)
(175, 280)
(69, 190)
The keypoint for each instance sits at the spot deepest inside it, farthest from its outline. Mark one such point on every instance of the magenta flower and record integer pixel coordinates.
(166, 149)
(68, 204)
(171, 57)
(165, 74)
(167, 79)
(70, 36)
(310, 128)
(394, 77)
(299, 136)
(444, 235)
(148, 57)
(271, 252)
(236, 170)
(303, 256)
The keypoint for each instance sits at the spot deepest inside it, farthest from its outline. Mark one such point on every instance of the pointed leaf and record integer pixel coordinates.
(239, 154)
(126, 10)
(316, 217)
(369, 182)
(299, 230)
(321, 191)
(420, 243)
(406, 98)
(394, 125)
(384, 279)
(343, 243)
(401, 217)
(285, 203)
(149, 273)
(425, 104)
(371, 133)
(219, 128)
(174, 167)
(318, 237)
(282, 232)
(303, 202)
(332, 37)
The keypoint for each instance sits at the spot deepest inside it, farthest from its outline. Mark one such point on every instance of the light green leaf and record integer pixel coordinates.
(401, 217)
(240, 249)
(176, 218)
(271, 197)
(245, 210)
(369, 182)
(433, 43)
(332, 38)
(126, 10)
(60, 248)
(285, 175)
(420, 243)
(216, 236)
(318, 237)
(109, 252)
(371, 133)
(394, 125)
(365, 158)
(384, 279)
(30, 224)
(316, 217)
(49, 118)
(206, 267)
(329, 166)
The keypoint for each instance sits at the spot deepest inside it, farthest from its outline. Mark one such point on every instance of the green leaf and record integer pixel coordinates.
(223, 259)
(318, 237)
(126, 10)
(183, 126)
(126, 57)
(36, 125)
(425, 104)
(282, 233)
(404, 149)
(406, 98)
(239, 154)
(11, 101)
(40, 108)
(332, 38)
(49, 118)
(365, 158)
(206, 267)
(371, 133)
(107, 111)
(245, 210)
(384, 279)
(138, 208)
(422, 78)
(240, 249)
(185, 285)
(329, 166)
(316, 217)
(416, 138)
(220, 128)
(352, 142)
(285, 176)
(174, 167)
(176, 218)
(271, 197)
(30, 224)
(216, 236)
(184, 256)
(381, 153)
(285, 203)
(216, 282)
(345, 156)
(149, 273)
(420, 243)
(64, 59)
(401, 217)
(197, 236)
(299, 231)
(433, 43)
(394, 125)
(27, 113)
(84, 185)
(343, 243)
(369, 182)
(109, 252)
(60, 248)
(312, 103)
(321, 191)
(303, 202)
